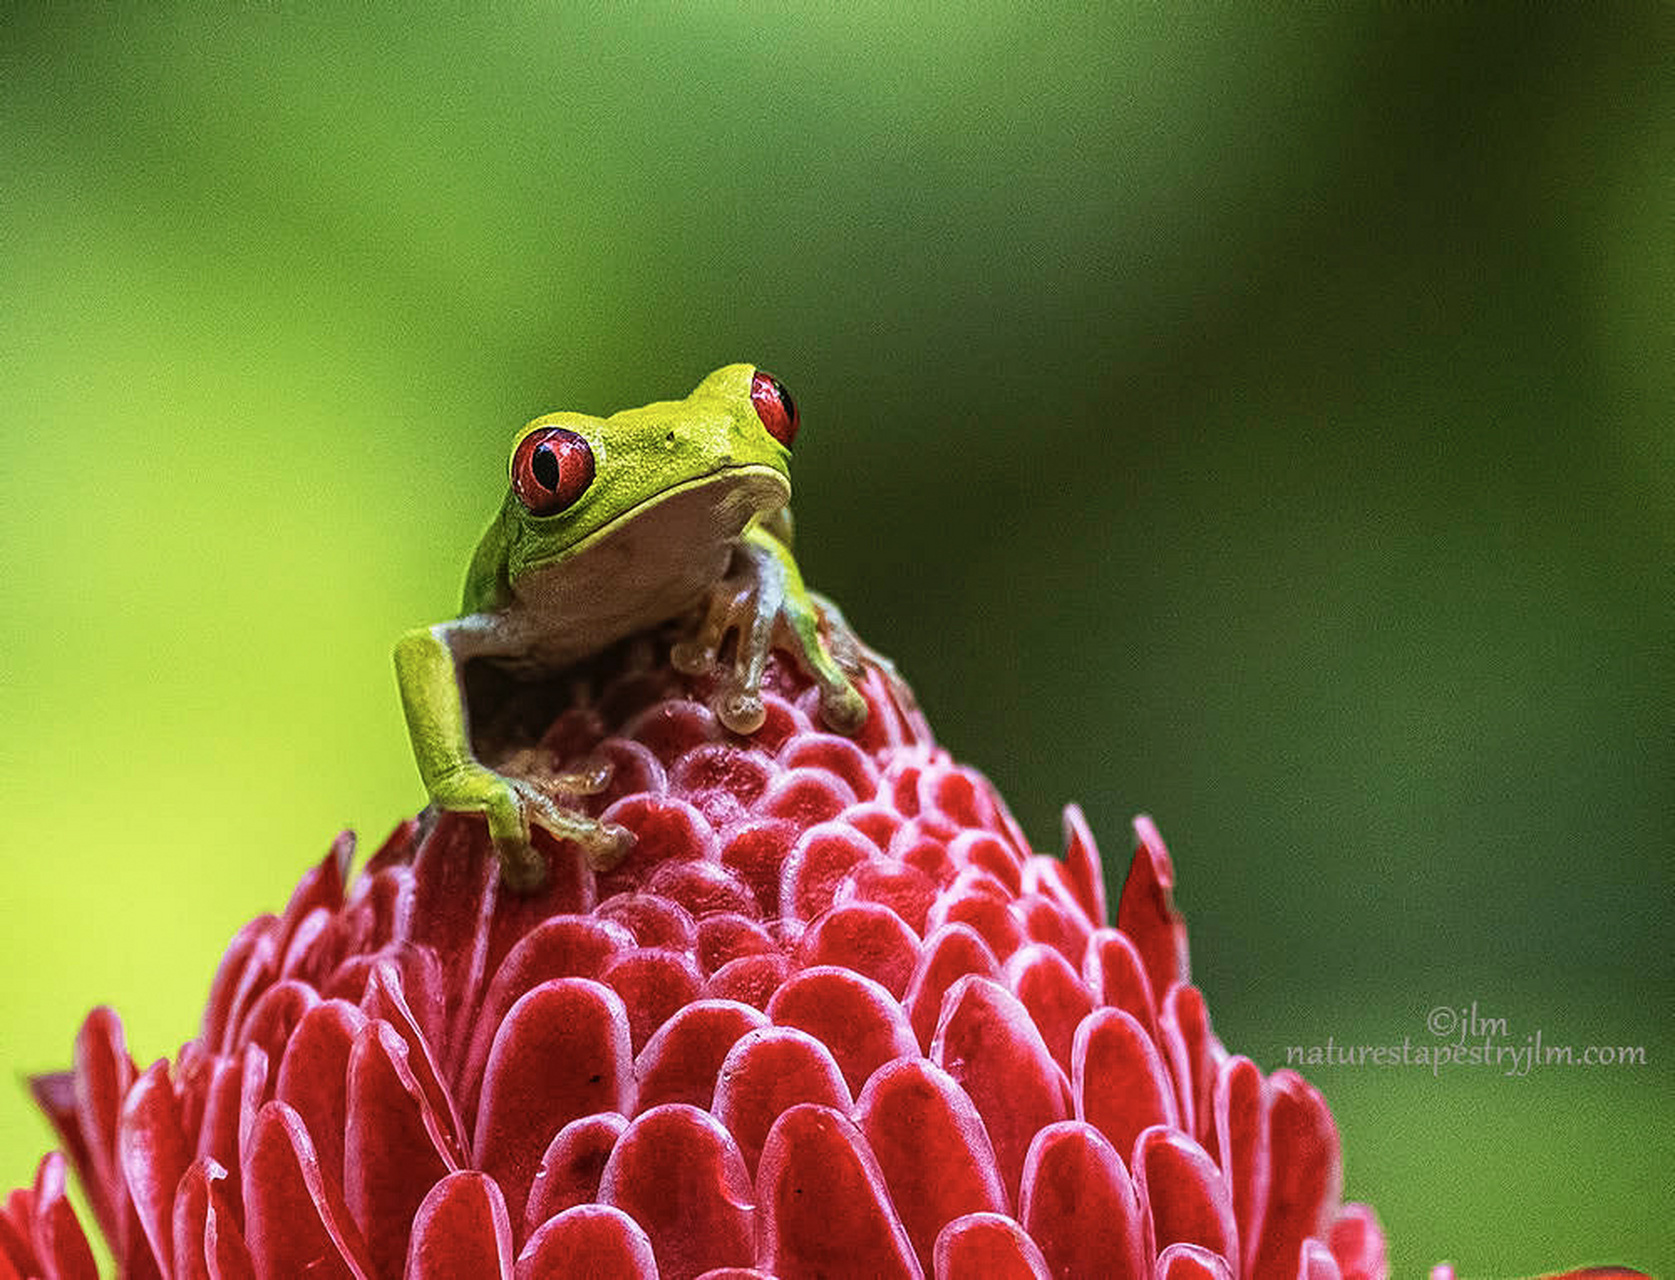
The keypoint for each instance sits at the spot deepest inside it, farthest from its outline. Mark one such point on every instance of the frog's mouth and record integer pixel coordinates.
(694, 518)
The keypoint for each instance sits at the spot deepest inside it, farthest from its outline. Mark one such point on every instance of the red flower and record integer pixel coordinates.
(833, 1017)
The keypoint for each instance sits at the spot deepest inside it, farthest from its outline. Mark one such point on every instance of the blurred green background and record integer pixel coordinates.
(1261, 422)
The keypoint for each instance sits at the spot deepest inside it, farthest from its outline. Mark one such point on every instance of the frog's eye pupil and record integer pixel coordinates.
(546, 466)
(551, 469)
(775, 407)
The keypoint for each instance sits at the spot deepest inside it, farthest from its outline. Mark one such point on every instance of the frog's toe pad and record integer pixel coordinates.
(521, 868)
(607, 850)
(843, 709)
(741, 710)
(691, 657)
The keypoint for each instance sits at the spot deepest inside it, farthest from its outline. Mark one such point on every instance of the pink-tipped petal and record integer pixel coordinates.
(1079, 1204)
(1146, 911)
(572, 1167)
(589, 1240)
(681, 1061)
(1357, 1242)
(851, 1015)
(677, 1172)
(1191, 1262)
(766, 1073)
(561, 1053)
(931, 1144)
(296, 1223)
(1304, 1173)
(461, 1229)
(989, 1245)
(1120, 1082)
(826, 1210)
(1317, 1263)
(987, 1043)
(1188, 1198)
(154, 1153)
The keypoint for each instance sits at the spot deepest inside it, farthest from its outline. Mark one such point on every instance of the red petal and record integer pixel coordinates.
(589, 1240)
(295, 1221)
(395, 1147)
(1080, 1206)
(681, 1061)
(154, 1153)
(1048, 987)
(806, 797)
(817, 865)
(653, 985)
(870, 939)
(985, 851)
(987, 1043)
(1190, 1262)
(207, 1242)
(992, 917)
(103, 1073)
(852, 1016)
(562, 947)
(989, 1245)
(1304, 1172)
(729, 935)
(677, 1172)
(57, 1236)
(701, 889)
(1146, 911)
(749, 980)
(950, 953)
(825, 1206)
(1193, 1052)
(1241, 1112)
(385, 999)
(835, 755)
(1081, 859)
(756, 850)
(461, 1229)
(312, 1075)
(571, 1169)
(1122, 1086)
(768, 1072)
(932, 1146)
(905, 890)
(1189, 1201)
(561, 1053)
(653, 921)
(1116, 976)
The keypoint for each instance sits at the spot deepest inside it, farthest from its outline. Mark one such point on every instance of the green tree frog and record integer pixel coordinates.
(613, 525)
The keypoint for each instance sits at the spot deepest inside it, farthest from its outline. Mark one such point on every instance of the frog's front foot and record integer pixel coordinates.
(512, 805)
(762, 609)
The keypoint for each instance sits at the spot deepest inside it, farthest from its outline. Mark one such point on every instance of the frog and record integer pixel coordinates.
(678, 510)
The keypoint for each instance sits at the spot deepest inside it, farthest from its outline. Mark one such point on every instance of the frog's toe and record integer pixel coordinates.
(691, 657)
(522, 869)
(609, 847)
(843, 708)
(741, 710)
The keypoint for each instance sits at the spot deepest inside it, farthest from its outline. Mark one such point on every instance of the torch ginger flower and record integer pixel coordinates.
(832, 1017)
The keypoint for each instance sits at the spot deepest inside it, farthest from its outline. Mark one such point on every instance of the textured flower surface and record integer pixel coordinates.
(833, 1017)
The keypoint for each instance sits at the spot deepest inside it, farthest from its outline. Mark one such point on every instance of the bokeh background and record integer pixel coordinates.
(1264, 422)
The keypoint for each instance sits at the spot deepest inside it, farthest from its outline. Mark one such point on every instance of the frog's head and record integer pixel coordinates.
(698, 470)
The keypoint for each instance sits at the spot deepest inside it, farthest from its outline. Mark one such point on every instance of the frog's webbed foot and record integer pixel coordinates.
(513, 804)
(762, 605)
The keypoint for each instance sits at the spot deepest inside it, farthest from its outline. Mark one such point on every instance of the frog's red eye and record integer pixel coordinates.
(775, 407)
(551, 469)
